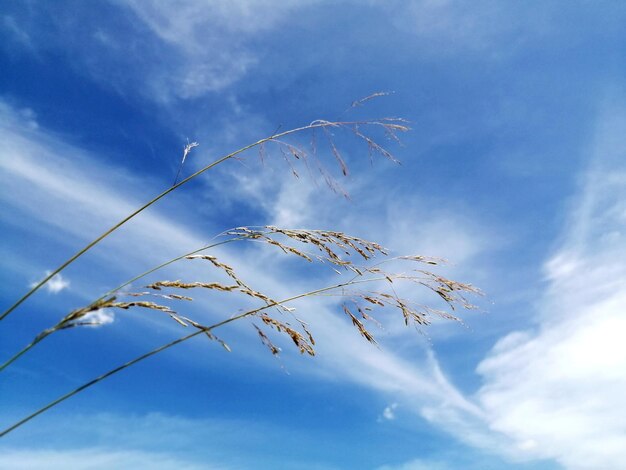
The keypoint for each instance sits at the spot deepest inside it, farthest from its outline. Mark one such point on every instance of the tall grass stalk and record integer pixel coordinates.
(162, 348)
(387, 124)
(47, 332)
(358, 305)
(333, 249)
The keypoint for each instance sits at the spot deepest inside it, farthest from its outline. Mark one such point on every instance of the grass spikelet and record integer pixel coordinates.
(267, 342)
(336, 154)
(373, 146)
(186, 150)
(259, 295)
(291, 167)
(192, 285)
(148, 305)
(410, 314)
(75, 317)
(377, 94)
(330, 241)
(366, 316)
(305, 328)
(288, 249)
(163, 296)
(300, 341)
(230, 272)
(424, 259)
(359, 325)
(240, 286)
(373, 300)
(212, 337)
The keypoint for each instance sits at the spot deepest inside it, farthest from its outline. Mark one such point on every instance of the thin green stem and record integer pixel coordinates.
(49, 331)
(174, 343)
(41, 283)
(40, 337)
(96, 380)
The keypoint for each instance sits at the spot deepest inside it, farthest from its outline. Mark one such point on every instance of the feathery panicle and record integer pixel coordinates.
(305, 345)
(359, 325)
(333, 247)
(148, 305)
(360, 102)
(336, 248)
(267, 342)
(347, 255)
(163, 296)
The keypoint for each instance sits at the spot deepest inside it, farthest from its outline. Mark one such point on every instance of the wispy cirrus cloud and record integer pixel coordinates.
(454, 26)
(53, 182)
(489, 29)
(209, 41)
(164, 51)
(154, 440)
(557, 391)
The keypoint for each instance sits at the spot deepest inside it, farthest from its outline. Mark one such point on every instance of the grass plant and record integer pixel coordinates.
(367, 289)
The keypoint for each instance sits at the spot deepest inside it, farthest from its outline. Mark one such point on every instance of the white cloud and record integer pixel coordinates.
(56, 284)
(53, 183)
(485, 26)
(389, 413)
(209, 41)
(15, 31)
(164, 51)
(99, 317)
(558, 391)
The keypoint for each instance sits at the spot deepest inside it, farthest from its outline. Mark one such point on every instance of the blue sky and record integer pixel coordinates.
(514, 171)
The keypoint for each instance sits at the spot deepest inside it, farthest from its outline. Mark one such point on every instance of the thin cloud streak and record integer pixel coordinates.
(558, 391)
(94, 459)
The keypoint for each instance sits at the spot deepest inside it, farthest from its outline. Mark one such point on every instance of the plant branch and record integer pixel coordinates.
(44, 334)
(201, 330)
(313, 125)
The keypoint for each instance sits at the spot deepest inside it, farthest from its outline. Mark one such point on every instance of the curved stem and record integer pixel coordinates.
(40, 337)
(174, 343)
(41, 283)
(167, 263)
(48, 332)
(96, 380)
